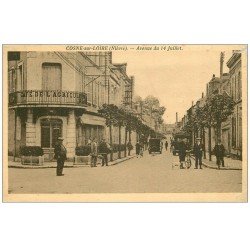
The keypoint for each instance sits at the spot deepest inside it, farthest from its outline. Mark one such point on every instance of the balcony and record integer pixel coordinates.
(43, 98)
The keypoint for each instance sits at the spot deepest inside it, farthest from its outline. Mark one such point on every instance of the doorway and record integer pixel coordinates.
(51, 129)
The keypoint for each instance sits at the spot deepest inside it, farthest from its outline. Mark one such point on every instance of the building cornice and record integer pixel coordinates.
(233, 59)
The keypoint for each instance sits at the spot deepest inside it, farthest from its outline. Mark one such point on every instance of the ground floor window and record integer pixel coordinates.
(51, 129)
(233, 132)
(87, 132)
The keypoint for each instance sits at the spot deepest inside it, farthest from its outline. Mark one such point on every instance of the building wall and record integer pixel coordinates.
(234, 65)
(11, 131)
(78, 73)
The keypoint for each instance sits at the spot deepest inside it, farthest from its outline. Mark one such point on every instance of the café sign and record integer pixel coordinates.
(48, 96)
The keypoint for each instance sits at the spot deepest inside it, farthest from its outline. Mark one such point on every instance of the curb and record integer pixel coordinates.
(70, 166)
(213, 167)
(122, 160)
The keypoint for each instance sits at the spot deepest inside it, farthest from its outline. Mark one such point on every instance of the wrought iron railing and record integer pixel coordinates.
(47, 97)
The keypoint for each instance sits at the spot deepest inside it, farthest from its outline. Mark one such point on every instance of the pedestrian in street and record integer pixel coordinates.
(60, 156)
(219, 152)
(171, 146)
(198, 149)
(141, 149)
(161, 145)
(94, 153)
(182, 153)
(138, 148)
(104, 150)
(166, 145)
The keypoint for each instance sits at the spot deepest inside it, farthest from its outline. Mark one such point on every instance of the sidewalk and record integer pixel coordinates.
(230, 164)
(67, 164)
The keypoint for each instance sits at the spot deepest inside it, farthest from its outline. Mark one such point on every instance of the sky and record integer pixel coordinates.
(176, 77)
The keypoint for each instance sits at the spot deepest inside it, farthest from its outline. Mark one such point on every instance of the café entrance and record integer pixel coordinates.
(51, 129)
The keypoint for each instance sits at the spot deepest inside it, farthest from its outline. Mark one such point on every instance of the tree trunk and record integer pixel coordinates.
(218, 132)
(119, 149)
(111, 142)
(129, 139)
(125, 153)
(209, 143)
(204, 142)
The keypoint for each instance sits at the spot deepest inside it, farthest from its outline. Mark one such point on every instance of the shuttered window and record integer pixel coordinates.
(52, 76)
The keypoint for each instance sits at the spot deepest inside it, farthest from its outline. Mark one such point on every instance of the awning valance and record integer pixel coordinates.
(92, 120)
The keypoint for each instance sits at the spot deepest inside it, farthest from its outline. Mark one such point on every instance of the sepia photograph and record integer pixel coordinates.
(118, 123)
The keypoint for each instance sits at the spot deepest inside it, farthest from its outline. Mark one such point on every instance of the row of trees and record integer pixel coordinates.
(123, 117)
(215, 110)
(151, 107)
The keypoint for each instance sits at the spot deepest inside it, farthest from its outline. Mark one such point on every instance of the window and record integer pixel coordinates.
(12, 80)
(233, 132)
(235, 88)
(52, 76)
(239, 86)
(20, 85)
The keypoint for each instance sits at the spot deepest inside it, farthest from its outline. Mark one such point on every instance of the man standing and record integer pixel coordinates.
(94, 153)
(166, 145)
(60, 155)
(104, 150)
(182, 153)
(198, 148)
(138, 148)
(219, 152)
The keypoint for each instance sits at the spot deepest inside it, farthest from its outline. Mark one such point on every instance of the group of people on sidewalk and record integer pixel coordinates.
(102, 150)
(99, 151)
(198, 150)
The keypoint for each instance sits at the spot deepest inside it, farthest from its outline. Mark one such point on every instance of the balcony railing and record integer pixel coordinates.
(47, 97)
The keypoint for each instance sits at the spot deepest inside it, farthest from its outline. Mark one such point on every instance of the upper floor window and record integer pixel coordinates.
(12, 80)
(239, 86)
(52, 76)
(20, 82)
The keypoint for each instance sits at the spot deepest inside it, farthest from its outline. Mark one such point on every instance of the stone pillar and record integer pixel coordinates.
(71, 134)
(30, 129)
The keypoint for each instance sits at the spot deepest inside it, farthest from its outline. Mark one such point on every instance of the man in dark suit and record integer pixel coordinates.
(219, 152)
(60, 155)
(198, 148)
(166, 145)
(182, 152)
(104, 150)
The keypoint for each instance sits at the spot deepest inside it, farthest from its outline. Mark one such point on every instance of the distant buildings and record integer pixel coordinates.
(231, 129)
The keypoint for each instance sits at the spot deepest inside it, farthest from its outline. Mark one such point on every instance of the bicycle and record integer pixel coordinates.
(188, 162)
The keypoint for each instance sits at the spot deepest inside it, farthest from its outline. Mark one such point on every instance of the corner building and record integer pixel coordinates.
(54, 94)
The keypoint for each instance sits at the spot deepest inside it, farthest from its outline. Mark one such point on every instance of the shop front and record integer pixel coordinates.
(90, 126)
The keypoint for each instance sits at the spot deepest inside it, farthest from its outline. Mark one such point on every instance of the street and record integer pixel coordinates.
(150, 174)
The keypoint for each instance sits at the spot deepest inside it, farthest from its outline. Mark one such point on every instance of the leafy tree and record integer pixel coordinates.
(109, 112)
(217, 109)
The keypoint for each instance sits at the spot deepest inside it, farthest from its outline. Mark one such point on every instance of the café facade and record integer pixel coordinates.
(56, 94)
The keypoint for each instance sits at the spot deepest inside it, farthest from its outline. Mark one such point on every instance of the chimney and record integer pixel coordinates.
(202, 95)
(192, 103)
(176, 117)
(222, 54)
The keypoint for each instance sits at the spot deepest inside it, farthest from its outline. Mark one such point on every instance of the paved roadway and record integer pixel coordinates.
(149, 174)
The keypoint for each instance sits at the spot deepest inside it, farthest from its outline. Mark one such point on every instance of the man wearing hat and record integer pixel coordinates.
(219, 152)
(60, 155)
(198, 148)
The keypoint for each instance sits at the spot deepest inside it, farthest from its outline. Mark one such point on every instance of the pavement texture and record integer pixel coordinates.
(229, 163)
(150, 174)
